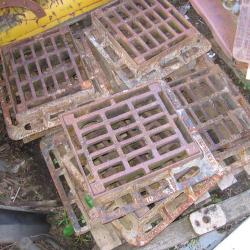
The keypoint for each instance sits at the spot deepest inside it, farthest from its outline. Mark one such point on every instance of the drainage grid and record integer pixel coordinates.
(145, 223)
(144, 39)
(43, 77)
(127, 144)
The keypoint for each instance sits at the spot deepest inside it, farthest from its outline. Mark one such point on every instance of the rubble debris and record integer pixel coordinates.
(144, 40)
(44, 77)
(207, 219)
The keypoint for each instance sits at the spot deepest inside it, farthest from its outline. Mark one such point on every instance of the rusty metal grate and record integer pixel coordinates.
(156, 218)
(140, 36)
(126, 137)
(144, 28)
(132, 146)
(71, 188)
(46, 76)
(218, 110)
(54, 152)
(44, 70)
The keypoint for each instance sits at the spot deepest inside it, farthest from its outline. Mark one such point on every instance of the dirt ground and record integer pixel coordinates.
(26, 182)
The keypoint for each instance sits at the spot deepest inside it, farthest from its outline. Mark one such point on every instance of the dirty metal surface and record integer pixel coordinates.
(137, 228)
(44, 77)
(139, 231)
(27, 4)
(141, 37)
(217, 109)
(241, 49)
(132, 146)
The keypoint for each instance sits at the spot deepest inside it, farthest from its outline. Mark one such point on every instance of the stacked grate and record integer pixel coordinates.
(145, 40)
(45, 76)
(144, 125)
(105, 141)
(218, 110)
(135, 157)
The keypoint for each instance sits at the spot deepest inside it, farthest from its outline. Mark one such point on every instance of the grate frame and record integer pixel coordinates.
(145, 228)
(28, 116)
(71, 193)
(105, 122)
(170, 54)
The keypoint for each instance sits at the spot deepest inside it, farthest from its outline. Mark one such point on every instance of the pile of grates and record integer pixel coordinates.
(139, 124)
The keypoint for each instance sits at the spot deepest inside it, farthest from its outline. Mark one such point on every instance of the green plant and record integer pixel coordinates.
(63, 219)
(83, 239)
(216, 198)
(68, 230)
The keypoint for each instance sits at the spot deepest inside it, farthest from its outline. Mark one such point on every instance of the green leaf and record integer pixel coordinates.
(68, 231)
(89, 200)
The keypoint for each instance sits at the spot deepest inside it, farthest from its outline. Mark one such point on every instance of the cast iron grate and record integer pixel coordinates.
(127, 137)
(41, 70)
(146, 222)
(145, 38)
(218, 111)
(144, 28)
(46, 76)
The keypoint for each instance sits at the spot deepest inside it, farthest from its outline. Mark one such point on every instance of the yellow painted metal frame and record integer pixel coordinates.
(57, 12)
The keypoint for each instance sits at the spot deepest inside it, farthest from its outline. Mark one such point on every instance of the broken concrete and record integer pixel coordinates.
(207, 219)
